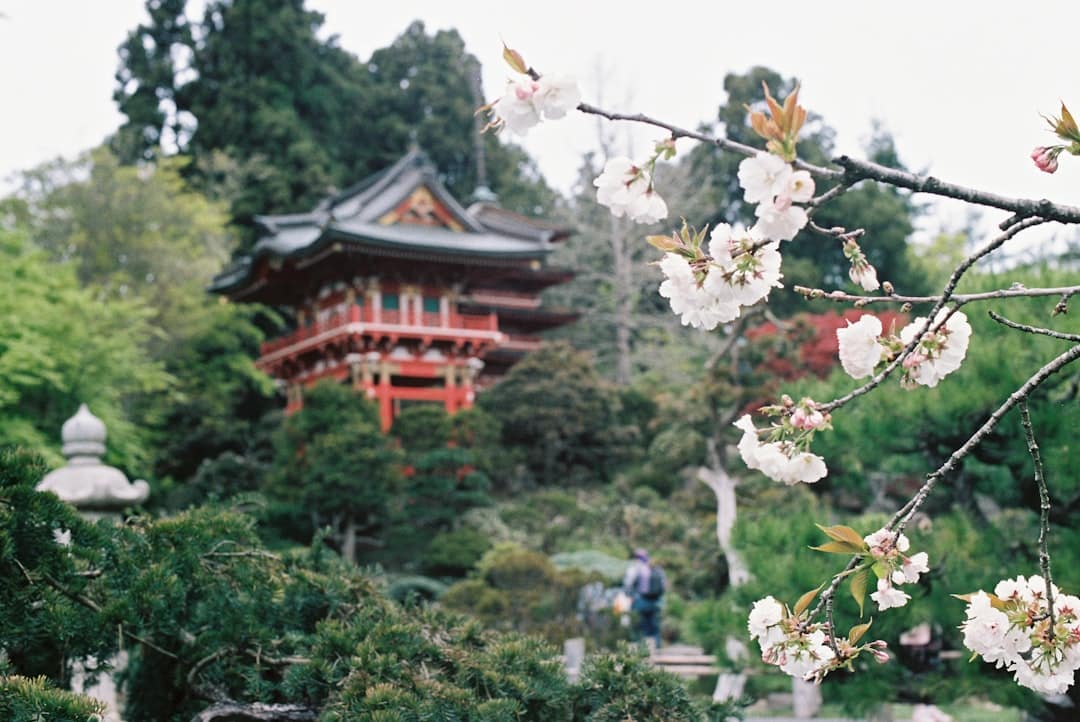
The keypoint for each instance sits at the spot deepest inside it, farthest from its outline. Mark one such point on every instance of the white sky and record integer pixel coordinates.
(959, 84)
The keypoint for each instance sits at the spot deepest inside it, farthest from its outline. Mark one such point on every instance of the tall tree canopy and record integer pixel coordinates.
(303, 115)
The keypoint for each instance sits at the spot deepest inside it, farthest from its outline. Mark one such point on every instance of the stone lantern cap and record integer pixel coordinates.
(85, 482)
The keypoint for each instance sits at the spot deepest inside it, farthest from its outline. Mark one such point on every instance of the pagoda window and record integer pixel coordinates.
(431, 304)
(391, 302)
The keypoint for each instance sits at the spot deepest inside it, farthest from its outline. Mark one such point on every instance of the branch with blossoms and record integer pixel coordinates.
(713, 277)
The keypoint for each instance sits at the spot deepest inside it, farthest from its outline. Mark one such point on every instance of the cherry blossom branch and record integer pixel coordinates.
(1022, 208)
(719, 141)
(1044, 511)
(958, 299)
(1075, 338)
(904, 514)
(946, 295)
(855, 170)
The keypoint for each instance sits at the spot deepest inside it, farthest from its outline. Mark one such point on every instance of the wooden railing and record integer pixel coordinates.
(396, 317)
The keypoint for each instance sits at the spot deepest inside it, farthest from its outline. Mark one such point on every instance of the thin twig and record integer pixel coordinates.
(908, 510)
(901, 518)
(718, 141)
(1075, 338)
(959, 299)
(946, 295)
(1044, 512)
(837, 232)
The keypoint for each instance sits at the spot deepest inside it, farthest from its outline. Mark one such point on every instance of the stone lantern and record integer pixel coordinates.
(98, 492)
(93, 488)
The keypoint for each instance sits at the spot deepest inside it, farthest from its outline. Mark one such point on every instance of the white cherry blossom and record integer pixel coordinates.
(627, 190)
(860, 351)
(779, 461)
(779, 220)
(883, 542)
(887, 596)
(763, 177)
(648, 207)
(864, 275)
(557, 95)
(911, 568)
(937, 354)
(1010, 630)
(800, 186)
(765, 613)
(518, 108)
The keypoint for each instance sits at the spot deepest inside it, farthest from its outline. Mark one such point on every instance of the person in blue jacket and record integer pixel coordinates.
(645, 583)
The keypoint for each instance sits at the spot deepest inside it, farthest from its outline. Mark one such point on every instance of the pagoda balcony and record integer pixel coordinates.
(367, 321)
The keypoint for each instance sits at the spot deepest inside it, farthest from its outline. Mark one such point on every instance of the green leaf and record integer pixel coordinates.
(804, 600)
(839, 547)
(844, 534)
(858, 631)
(858, 586)
(881, 570)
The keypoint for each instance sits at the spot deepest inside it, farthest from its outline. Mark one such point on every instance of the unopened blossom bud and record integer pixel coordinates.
(787, 401)
(913, 359)
(888, 288)
(905, 308)
(877, 648)
(807, 420)
(1046, 158)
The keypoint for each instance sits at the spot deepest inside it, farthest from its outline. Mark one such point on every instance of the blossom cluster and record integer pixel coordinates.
(886, 550)
(1011, 629)
(864, 346)
(528, 101)
(627, 189)
(795, 646)
(785, 457)
(706, 289)
(776, 187)
(802, 648)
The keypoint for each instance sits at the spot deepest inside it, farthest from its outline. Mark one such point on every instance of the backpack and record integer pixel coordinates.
(657, 584)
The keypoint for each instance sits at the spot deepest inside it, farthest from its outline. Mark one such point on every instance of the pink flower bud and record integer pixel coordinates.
(1045, 159)
(807, 420)
(914, 359)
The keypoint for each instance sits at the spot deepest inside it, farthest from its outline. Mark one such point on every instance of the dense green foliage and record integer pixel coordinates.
(561, 416)
(62, 345)
(35, 700)
(207, 613)
(335, 464)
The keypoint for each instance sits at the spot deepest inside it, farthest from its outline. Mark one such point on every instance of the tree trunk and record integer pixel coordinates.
(348, 542)
(723, 485)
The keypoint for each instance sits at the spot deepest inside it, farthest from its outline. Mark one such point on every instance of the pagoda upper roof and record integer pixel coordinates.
(403, 210)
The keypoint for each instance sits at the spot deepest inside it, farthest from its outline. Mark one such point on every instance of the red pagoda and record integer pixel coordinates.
(399, 290)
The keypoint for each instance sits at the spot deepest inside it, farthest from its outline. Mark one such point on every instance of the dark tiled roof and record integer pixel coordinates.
(352, 217)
